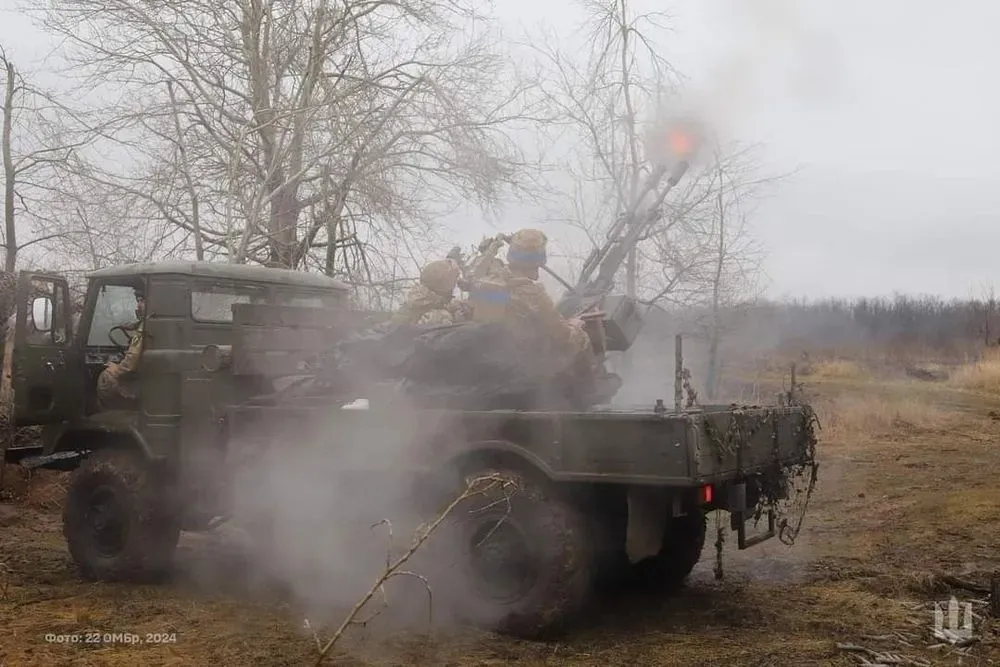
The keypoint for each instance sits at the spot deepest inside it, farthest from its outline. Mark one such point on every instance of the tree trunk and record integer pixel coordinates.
(10, 259)
(715, 335)
(199, 246)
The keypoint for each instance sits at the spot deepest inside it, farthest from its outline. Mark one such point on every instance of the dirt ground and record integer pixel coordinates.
(907, 492)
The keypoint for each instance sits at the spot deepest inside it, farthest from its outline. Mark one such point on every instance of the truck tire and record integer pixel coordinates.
(118, 522)
(683, 542)
(521, 556)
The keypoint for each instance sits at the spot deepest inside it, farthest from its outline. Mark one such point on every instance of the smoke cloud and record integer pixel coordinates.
(773, 51)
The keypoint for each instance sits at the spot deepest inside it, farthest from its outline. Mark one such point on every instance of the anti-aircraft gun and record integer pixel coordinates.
(613, 321)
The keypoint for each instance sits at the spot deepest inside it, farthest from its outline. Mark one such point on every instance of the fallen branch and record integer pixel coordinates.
(963, 584)
(880, 659)
(394, 568)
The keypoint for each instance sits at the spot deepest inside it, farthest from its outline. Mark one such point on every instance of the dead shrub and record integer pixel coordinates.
(852, 416)
(982, 375)
(841, 369)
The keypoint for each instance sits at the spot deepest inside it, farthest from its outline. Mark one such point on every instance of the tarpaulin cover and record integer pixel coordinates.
(469, 365)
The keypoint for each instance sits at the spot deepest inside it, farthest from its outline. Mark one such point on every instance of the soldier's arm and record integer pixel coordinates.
(130, 363)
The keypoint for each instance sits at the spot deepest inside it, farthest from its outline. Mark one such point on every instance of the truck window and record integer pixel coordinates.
(302, 301)
(216, 304)
(306, 300)
(115, 307)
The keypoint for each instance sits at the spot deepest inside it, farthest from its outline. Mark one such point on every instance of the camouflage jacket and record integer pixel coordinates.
(130, 362)
(423, 306)
(531, 307)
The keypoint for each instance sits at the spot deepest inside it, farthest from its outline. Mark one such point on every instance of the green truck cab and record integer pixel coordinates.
(218, 337)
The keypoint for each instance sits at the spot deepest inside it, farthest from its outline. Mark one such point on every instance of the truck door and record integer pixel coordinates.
(44, 383)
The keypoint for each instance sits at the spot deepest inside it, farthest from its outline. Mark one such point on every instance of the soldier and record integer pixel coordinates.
(432, 301)
(530, 309)
(116, 383)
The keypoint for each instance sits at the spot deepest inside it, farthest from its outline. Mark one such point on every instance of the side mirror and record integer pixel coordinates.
(41, 313)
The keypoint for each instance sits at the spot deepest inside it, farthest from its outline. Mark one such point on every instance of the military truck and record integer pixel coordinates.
(604, 490)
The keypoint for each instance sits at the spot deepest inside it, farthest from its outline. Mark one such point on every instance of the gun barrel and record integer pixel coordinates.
(607, 259)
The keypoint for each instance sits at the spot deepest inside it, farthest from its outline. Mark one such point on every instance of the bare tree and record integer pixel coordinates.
(615, 109)
(301, 133)
(985, 307)
(735, 263)
(39, 138)
(619, 110)
(601, 102)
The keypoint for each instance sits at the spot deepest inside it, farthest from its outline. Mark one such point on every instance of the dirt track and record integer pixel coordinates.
(908, 488)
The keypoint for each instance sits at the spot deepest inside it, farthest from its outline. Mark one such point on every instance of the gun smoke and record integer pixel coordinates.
(327, 503)
(772, 51)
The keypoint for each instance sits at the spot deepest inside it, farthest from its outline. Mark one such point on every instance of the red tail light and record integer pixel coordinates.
(707, 494)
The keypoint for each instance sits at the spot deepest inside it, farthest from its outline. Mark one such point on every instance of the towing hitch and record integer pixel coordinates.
(739, 513)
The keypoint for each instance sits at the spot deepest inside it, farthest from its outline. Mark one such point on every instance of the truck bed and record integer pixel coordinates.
(630, 446)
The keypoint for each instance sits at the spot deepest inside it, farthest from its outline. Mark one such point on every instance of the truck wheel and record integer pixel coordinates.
(683, 542)
(522, 556)
(117, 520)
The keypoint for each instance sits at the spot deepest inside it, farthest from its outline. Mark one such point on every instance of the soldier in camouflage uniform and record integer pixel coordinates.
(116, 383)
(432, 301)
(531, 310)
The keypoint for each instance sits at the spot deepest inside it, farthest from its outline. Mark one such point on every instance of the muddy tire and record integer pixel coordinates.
(117, 520)
(683, 542)
(520, 555)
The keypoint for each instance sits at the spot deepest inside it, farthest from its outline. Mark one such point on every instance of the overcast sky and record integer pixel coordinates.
(887, 107)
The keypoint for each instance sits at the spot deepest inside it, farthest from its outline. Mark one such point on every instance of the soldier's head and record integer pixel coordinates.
(441, 277)
(526, 253)
(139, 290)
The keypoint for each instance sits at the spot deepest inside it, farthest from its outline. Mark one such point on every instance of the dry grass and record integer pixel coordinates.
(841, 369)
(852, 415)
(982, 376)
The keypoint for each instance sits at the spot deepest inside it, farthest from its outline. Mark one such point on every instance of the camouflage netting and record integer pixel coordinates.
(788, 495)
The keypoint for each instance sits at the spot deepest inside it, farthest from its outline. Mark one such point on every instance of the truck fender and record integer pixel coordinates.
(91, 439)
(504, 453)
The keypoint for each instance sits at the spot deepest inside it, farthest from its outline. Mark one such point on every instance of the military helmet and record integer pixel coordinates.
(440, 277)
(527, 246)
